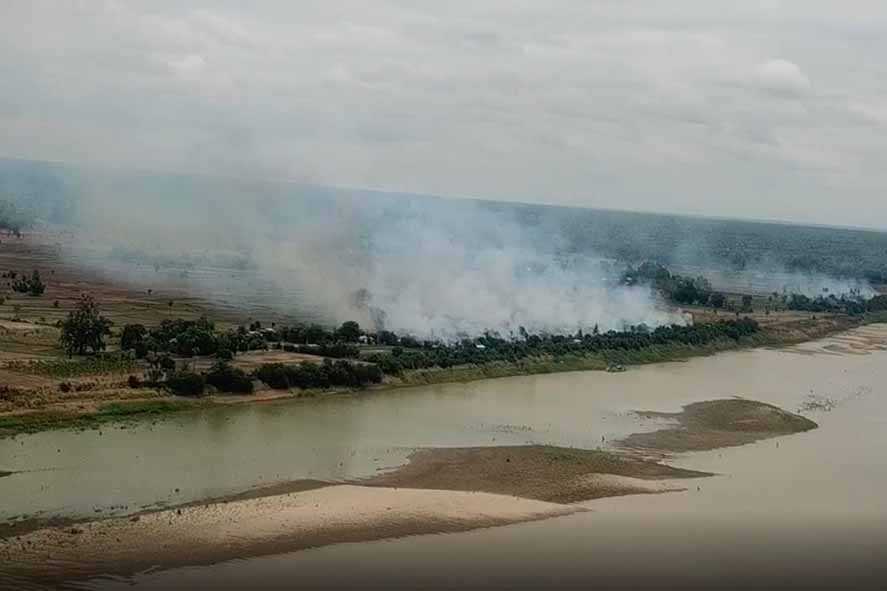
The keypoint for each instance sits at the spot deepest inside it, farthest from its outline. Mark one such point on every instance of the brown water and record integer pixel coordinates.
(803, 511)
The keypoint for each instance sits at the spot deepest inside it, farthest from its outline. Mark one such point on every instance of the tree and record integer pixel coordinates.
(32, 286)
(85, 328)
(186, 383)
(386, 337)
(877, 303)
(315, 334)
(717, 300)
(349, 331)
(133, 339)
(746, 303)
(226, 378)
(132, 336)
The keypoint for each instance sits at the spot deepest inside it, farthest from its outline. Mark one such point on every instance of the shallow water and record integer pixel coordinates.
(801, 511)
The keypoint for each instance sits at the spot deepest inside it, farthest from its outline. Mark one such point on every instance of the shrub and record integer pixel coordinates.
(275, 375)
(33, 286)
(349, 331)
(84, 328)
(186, 383)
(325, 375)
(226, 378)
(134, 382)
(65, 387)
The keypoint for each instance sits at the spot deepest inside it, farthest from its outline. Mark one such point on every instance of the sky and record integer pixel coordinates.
(759, 109)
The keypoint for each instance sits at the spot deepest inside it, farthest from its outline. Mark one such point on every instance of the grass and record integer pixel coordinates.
(72, 368)
(109, 413)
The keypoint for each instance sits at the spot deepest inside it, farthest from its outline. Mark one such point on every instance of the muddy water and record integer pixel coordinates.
(801, 511)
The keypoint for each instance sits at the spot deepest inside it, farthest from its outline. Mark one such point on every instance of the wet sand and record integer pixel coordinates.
(715, 424)
(552, 474)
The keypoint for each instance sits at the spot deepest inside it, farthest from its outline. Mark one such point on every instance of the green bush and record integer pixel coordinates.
(186, 383)
(324, 375)
(275, 375)
(226, 378)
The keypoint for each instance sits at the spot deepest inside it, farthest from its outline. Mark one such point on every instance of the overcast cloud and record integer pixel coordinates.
(762, 109)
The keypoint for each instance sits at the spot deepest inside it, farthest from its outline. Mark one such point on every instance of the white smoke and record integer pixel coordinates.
(430, 268)
(428, 283)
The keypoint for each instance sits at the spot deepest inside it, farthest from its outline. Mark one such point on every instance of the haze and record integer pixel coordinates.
(760, 110)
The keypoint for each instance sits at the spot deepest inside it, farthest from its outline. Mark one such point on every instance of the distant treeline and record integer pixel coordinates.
(726, 244)
(843, 304)
(698, 291)
(676, 288)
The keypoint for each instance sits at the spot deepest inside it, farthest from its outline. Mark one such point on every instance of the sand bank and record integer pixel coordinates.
(206, 534)
(552, 474)
(718, 423)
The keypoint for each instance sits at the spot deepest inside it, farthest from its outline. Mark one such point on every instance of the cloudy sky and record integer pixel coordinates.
(761, 109)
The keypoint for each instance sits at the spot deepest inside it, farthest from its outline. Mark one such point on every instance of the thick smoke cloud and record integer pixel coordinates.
(485, 272)
(427, 267)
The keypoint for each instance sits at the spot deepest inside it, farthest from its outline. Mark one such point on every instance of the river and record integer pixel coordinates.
(796, 512)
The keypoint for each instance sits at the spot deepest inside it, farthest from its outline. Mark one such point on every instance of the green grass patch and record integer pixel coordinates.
(144, 407)
(109, 413)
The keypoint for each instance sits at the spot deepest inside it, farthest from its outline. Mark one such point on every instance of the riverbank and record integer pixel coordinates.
(92, 409)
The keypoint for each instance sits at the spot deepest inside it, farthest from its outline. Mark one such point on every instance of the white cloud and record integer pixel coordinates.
(782, 77)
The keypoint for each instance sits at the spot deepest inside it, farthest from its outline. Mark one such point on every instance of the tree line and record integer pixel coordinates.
(493, 348)
(85, 331)
(676, 288)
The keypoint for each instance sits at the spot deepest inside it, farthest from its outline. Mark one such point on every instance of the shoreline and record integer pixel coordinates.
(132, 410)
